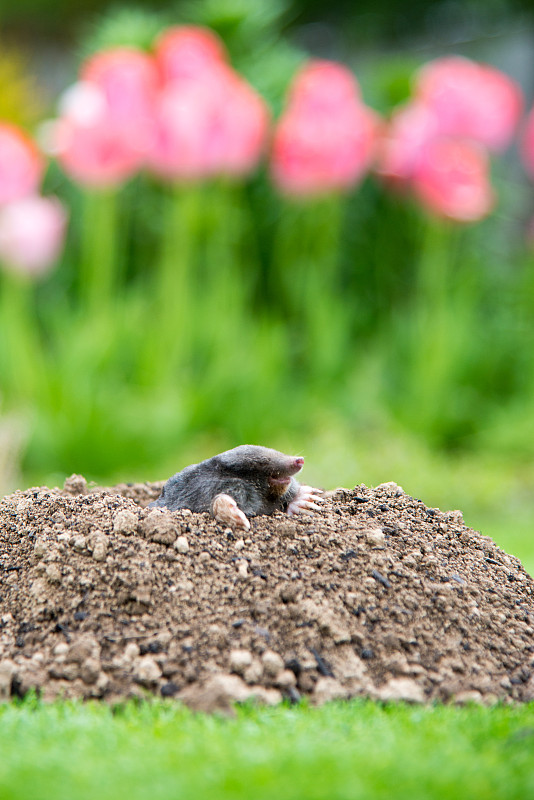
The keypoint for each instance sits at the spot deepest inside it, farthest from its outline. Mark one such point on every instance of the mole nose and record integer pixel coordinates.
(299, 462)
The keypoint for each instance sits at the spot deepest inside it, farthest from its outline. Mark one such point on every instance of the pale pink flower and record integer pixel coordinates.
(95, 147)
(471, 100)
(325, 140)
(21, 165)
(188, 51)
(451, 179)
(83, 103)
(209, 125)
(527, 144)
(32, 233)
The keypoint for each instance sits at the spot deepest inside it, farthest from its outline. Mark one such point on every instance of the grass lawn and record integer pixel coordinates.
(359, 749)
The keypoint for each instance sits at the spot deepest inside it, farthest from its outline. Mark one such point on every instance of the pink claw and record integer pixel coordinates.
(306, 501)
(225, 510)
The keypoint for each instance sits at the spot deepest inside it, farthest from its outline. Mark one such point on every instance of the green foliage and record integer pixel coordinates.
(252, 31)
(122, 26)
(343, 750)
(19, 103)
(227, 314)
(370, 21)
(238, 19)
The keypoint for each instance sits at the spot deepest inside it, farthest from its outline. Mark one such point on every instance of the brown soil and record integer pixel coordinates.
(376, 595)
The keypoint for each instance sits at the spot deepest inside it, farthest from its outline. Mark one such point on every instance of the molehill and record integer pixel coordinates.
(375, 595)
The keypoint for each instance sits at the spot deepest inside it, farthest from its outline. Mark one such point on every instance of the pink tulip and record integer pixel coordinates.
(324, 86)
(32, 232)
(246, 121)
(129, 79)
(400, 147)
(187, 51)
(106, 123)
(527, 144)
(21, 165)
(208, 125)
(471, 100)
(325, 140)
(452, 180)
(93, 145)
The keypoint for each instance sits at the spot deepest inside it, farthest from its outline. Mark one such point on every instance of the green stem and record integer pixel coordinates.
(306, 269)
(433, 334)
(22, 355)
(524, 321)
(99, 268)
(225, 351)
(225, 293)
(170, 332)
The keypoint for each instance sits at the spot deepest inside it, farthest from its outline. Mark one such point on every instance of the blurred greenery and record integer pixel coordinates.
(19, 97)
(376, 21)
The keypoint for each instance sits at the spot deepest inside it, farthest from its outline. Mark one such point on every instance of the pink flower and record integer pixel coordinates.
(437, 144)
(32, 232)
(323, 86)
(403, 140)
(187, 51)
(452, 180)
(95, 147)
(129, 79)
(209, 120)
(471, 100)
(208, 125)
(106, 123)
(527, 144)
(325, 140)
(21, 165)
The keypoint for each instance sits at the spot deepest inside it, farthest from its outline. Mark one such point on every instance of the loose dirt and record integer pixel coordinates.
(376, 595)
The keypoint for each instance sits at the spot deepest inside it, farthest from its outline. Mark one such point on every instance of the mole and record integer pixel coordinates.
(240, 483)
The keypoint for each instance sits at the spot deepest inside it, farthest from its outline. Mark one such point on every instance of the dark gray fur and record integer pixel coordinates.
(243, 473)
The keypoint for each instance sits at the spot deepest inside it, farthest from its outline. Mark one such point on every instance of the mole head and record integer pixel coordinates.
(259, 463)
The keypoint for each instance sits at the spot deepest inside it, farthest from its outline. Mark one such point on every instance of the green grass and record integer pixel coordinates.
(353, 750)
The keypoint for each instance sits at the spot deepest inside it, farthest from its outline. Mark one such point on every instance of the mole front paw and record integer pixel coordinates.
(225, 510)
(305, 501)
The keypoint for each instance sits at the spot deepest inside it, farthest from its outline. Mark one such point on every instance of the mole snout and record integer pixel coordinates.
(294, 465)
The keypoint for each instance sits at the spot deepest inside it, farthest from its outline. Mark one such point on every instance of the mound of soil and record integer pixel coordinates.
(376, 595)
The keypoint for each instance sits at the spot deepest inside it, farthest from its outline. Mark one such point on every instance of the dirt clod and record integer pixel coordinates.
(374, 595)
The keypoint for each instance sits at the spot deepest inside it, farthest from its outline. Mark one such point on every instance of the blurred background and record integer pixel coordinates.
(300, 224)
